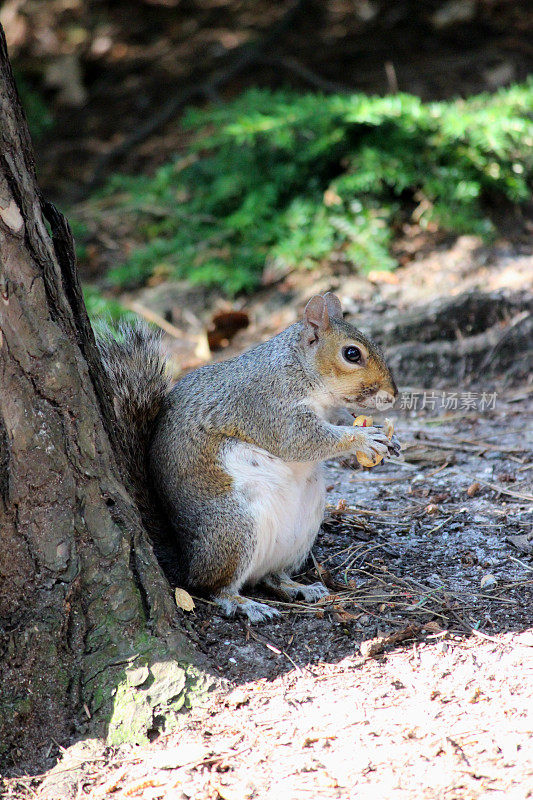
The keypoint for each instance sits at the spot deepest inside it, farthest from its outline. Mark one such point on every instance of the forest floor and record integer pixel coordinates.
(414, 677)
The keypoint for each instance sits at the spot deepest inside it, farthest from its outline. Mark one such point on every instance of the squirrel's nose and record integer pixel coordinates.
(391, 389)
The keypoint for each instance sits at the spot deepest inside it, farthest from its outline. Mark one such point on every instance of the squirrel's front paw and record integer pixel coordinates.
(394, 447)
(371, 441)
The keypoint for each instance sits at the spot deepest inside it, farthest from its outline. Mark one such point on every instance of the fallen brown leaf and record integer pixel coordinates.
(373, 647)
(183, 600)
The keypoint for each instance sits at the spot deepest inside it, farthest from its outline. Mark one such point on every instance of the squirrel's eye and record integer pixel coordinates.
(352, 354)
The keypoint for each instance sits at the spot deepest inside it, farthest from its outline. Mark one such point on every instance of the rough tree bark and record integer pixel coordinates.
(89, 641)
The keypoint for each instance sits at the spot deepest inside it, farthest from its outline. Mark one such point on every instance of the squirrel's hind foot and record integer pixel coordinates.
(309, 593)
(234, 603)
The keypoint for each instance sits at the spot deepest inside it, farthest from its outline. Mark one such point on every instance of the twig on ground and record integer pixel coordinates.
(526, 566)
(154, 318)
(501, 489)
(274, 649)
(486, 446)
(319, 570)
(487, 637)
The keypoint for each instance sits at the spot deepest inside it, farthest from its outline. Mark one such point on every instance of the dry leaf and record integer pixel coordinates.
(473, 489)
(139, 786)
(183, 600)
(345, 616)
(223, 327)
(373, 647)
(488, 581)
(478, 695)
(433, 627)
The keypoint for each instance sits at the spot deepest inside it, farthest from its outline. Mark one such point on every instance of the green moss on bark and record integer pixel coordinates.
(149, 697)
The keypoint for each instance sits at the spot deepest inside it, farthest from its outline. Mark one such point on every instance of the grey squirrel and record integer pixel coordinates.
(226, 466)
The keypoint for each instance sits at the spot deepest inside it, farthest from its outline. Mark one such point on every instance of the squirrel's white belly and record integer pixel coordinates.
(286, 502)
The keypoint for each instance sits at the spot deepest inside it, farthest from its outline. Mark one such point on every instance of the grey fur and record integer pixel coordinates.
(175, 439)
(258, 397)
(133, 359)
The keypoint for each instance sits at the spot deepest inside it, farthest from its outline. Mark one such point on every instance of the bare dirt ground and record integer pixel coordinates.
(444, 706)
(414, 678)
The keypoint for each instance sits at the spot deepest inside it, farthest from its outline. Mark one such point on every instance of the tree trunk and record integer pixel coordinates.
(89, 640)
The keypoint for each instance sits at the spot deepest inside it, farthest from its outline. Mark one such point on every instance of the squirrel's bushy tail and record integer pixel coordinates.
(133, 359)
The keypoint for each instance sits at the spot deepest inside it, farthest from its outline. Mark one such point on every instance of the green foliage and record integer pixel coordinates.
(40, 120)
(100, 307)
(80, 232)
(287, 180)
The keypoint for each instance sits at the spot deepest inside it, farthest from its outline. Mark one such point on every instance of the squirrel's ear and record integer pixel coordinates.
(333, 305)
(316, 318)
